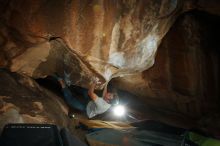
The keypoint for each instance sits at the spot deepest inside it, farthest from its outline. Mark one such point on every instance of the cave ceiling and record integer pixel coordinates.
(84, 38)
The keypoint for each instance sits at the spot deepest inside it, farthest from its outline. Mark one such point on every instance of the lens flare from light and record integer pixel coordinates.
(119, 110)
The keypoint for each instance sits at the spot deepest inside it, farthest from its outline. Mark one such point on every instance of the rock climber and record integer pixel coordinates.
(94, 104)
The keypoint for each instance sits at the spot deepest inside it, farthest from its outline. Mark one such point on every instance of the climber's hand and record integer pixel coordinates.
(96, 81)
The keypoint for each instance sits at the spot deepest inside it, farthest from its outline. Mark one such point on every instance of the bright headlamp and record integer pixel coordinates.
(119, 110)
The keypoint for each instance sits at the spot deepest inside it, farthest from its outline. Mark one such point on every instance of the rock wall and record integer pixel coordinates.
(185, 76)
(23, 101)
(116, 38)
(102, 38)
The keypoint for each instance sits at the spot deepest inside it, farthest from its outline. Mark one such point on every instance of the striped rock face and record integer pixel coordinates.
(99, 38)
(119, 39)
(102, 38)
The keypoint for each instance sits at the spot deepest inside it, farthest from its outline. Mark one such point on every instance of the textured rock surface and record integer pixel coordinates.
(112, 38)
(23, 101)
(86, 38)
(185, 77)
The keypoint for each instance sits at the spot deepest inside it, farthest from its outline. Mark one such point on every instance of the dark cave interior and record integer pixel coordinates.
(160, 57)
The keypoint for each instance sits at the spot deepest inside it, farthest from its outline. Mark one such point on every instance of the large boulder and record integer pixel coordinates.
(185, 76)
(87, 38)
(110, 39)
(23, 101)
